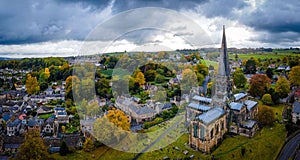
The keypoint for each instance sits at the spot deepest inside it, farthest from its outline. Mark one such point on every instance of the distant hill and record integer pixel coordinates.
(5, 58)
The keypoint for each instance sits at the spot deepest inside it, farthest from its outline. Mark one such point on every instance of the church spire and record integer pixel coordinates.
(223, 63)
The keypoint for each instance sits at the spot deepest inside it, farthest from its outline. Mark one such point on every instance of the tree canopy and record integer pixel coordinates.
(32, 85)
(33, 147)
(259, 84)
(282, 87)
(239, 79)
(294, 75)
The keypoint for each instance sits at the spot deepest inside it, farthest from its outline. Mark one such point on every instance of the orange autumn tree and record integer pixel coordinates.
(118, 118)
(259, 83)
(112, 127)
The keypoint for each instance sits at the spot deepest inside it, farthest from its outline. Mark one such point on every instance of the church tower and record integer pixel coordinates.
(222, 78)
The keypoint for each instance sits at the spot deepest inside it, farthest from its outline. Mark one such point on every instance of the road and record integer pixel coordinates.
(158, 139)
(290, 148)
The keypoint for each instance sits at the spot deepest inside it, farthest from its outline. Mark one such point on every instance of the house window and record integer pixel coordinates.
(195, 130)
(212, 133)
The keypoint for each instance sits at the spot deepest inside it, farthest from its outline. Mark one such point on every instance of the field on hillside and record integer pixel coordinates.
(266, 55)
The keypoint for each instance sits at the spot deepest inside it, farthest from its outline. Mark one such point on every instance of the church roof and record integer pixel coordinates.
(211, 115)
(250, 104)
(236, 106)
(202, 99)
(248, 124)
(199, 107)
(239, 96)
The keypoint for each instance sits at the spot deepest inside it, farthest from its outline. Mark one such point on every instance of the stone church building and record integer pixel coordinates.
(211, 118)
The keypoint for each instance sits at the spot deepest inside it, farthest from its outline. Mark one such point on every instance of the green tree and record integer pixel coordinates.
(103, 88)
(33, 147)
(266, 116)
(159, 79)
(189, 80)
(160, 96)
(267, 99)
(294, 75)
(269, 73)
(88, 145)
(32, 85)
(250, 66)
(150, 75)
(282, 87)
(64, 149)
(239, 79)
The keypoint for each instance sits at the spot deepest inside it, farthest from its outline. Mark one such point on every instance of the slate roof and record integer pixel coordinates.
(248, 124)
(250, 104)
(7, 115)
(236, 106)
(12, 146)
(59, 109)
(202, 99)
(211, 115)
(62, 113)
(199, 107)
(32, 123)
(167, 106)
(296, 107)
(144, 110)
(239, 96)
(14, 123)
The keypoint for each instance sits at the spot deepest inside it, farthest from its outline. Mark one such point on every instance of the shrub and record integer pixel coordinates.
(267, 99)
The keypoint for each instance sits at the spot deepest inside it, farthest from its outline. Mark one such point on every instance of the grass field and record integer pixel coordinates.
(267, 55)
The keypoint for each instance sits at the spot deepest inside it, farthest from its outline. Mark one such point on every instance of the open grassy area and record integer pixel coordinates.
(266, 55)
(45, 116)
(266, 144)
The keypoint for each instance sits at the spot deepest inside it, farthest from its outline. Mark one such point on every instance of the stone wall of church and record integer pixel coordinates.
(207, 136)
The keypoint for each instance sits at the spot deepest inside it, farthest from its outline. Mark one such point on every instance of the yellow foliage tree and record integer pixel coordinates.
(33, 147)
(294, 75)
(47, 72)
(140, 78)
(32, 84)
(118, 118)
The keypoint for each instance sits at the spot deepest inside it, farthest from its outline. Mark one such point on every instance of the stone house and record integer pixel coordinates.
(13, 127)
(296, 112)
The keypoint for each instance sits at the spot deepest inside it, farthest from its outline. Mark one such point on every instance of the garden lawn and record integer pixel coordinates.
(266, 144)
(45, 116)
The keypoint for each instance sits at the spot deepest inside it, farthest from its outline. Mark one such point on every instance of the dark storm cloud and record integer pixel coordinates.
(50, 20)
(278, 19)
(222, 8)
(37, 21)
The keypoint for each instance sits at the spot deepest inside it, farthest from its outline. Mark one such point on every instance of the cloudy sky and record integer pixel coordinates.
(33, 28)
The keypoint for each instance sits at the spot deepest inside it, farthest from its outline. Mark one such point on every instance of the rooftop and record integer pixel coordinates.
(236, 106)
(248, 124)
(199, 107)
(250, 104)
(145, 110)
(202, 99)
(211, 115)
(239, 96)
